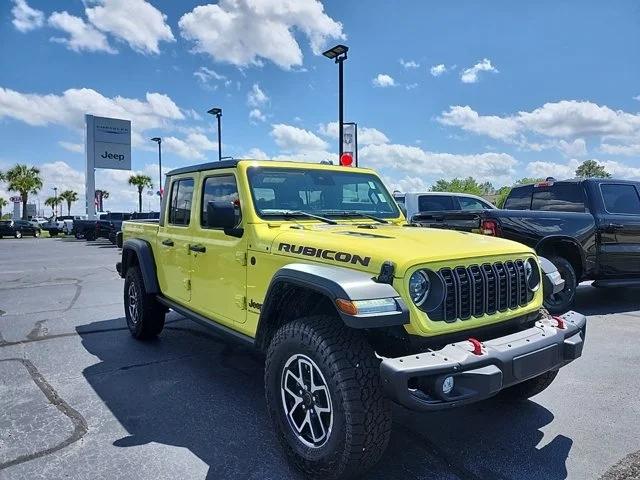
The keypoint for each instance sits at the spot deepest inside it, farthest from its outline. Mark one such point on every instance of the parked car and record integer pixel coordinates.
(18, 228)
(589, 228)
(110, 224)
(38, 220)
(412, 204)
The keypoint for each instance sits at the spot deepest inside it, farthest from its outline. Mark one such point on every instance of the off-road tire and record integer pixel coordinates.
(147, 319)
(529, 388)
(570, 278)
(18, 234)
(361, 423)
(90, 236)
(36, 233)
(53, 233)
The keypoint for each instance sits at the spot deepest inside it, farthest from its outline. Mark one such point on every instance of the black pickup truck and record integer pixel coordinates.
(589, 228)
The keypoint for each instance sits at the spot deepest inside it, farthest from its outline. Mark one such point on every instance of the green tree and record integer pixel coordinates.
(52, 202)
(591, 169)
(463, 185)
(105, 195)
(141, 182)
(3, 203)
(25, 180)
(68, 196)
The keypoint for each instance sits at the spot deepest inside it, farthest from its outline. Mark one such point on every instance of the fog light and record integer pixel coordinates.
(447, 385)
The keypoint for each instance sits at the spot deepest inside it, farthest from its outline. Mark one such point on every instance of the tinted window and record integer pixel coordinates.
(467, 203)
(181, 198)
(559, 197)
(219, 189)
(621, 199)
(435, 203)
(519, 198)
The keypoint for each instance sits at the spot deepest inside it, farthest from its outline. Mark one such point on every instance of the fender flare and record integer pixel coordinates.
(334, 283)
(142, 250)
(546, 241)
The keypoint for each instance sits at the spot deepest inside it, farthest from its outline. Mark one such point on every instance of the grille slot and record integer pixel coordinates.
(479, 290)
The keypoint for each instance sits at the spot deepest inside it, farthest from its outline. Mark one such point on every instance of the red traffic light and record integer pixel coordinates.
(346, 160)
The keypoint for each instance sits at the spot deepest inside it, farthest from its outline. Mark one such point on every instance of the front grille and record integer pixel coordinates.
(484, 289)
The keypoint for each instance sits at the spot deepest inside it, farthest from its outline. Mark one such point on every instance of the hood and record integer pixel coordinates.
(366, 248)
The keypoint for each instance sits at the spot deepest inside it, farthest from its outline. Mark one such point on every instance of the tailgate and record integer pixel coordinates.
(458, 220)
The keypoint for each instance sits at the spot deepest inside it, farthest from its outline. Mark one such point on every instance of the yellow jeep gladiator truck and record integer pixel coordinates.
(316, 266)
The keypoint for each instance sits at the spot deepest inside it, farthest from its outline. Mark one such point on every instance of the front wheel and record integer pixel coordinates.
(562, 301)
(18, 234)
(36, 233)
(325, 398)
(145, 316)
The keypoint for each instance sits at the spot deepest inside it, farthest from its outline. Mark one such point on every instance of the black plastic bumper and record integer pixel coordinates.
(416, 381)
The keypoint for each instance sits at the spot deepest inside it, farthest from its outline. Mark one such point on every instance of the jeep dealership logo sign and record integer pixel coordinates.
(111, 142)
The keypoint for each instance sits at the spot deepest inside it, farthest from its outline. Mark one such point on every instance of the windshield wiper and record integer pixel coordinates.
(355, 213)
(299, 213)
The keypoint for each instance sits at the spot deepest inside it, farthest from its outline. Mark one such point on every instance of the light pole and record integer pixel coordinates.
(339, 54)
(158, 140)
(218, 113)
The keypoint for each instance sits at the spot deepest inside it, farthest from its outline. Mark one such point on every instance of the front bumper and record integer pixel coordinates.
(416, 381)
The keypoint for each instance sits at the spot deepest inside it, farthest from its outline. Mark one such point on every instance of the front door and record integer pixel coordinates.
(219, 269)
(174, 259)
(619, 230)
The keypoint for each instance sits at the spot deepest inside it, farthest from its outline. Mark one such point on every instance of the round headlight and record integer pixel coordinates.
(419, 285)
(532, 274)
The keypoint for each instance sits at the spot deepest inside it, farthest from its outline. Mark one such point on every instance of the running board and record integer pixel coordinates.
(205, 322)
(620, 282)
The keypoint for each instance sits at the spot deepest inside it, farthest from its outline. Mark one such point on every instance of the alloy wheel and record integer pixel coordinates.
(133, 303)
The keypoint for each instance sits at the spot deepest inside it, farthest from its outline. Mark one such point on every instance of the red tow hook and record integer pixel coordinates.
(477, 346)
(559, 323)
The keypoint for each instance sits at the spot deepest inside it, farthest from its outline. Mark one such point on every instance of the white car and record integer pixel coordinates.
(413, 203)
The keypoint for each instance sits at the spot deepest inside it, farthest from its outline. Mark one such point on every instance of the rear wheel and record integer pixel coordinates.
(18, 234)
(36, 233)
(562, 301)
(529, 388)
(325, 399)
(145, 315)
(53, 233)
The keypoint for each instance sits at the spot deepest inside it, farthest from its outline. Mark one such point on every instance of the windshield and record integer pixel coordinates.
(329, 193)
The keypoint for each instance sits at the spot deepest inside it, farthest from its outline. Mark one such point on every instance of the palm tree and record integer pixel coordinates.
(52, 202)
(69, 196)
(24, 180)
(142, 182)
(3, 203)
(105, 195)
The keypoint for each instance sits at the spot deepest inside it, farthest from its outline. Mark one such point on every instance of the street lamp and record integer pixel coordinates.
(218, 113)
(158, 140)
(339, 55)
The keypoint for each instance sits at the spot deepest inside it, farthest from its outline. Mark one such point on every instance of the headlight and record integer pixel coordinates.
(532, 274)
(419, 285)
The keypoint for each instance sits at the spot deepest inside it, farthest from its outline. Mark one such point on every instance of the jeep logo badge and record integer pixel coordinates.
(113, 156)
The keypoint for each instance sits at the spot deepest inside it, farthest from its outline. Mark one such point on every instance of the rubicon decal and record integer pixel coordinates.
(345, 257)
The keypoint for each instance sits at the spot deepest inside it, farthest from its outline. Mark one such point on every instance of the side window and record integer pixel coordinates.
(467, 203)
(519, 198)
(181, 199)
(435, 203)
(621, 199)
(559, 197)
(222, 188)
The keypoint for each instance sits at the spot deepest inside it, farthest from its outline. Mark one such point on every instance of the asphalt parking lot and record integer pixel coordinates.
(80, 399)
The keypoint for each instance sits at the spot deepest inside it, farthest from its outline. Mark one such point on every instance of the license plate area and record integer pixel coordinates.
(534, 363)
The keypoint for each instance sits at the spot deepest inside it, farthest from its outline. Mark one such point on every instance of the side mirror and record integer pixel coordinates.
(223, 215)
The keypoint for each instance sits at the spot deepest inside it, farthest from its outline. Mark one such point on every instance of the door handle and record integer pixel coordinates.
(612, 227)
(168, 242)
(198, 248)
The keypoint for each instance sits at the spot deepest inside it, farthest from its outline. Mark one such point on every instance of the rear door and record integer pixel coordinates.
(619, 230)
(173, 257)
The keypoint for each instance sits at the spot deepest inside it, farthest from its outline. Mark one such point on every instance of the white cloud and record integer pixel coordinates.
(72, 147)
(82, 35)
(294, 139)
(568, 170)
(470, 75)
(438, 70)
(577, 148)
(205, 75)
(637, 97)
(407, 184)
(411, 86)
(620, 149)
(135, 22)
(244, 32)
(383, 80)
(255, 154)
(193, 147)
(256, 97)
(156, 110)
(26, 18)
(409, 63)
(366, 135)
(490, 125)
(256, 114)
(395, 159)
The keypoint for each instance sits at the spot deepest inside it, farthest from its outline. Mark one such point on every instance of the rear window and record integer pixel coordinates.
(621, 199)
(435, 203)
(559, 197)
(519, 198)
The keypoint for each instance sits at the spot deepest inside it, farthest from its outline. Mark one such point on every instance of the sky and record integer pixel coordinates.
(498, 90)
